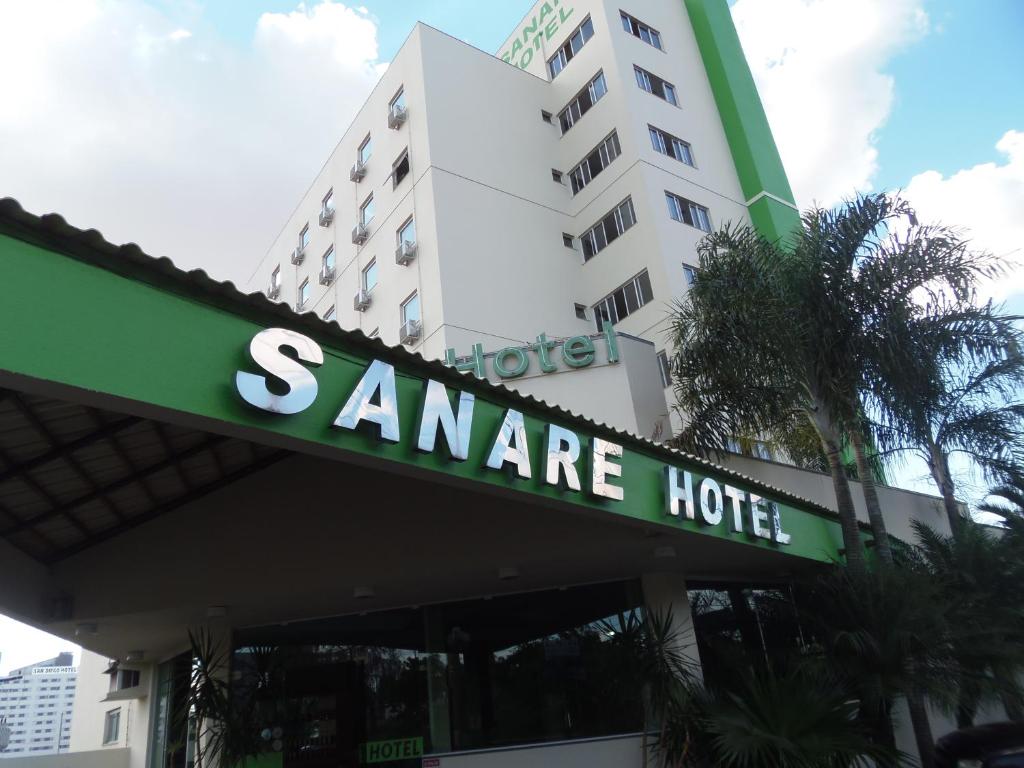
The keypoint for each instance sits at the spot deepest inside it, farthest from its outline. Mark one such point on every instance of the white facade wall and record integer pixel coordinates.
(491, 264)
(37, 702)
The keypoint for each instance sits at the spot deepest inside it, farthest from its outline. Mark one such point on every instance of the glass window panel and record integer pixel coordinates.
(370, 276)
(600, 241)
(365, 150)
(670, 94)
(600, 88)
(587, 29)
(329, 258)
(630, 295)
(614, 150)
(304, 236)
(626, 215)
(645, 34)
(366, 212)
(587, 241)
(399, 100)
(641, 79)
(575, 43)
(626, 23)
(610, 227)
(643, 282)
(620, 304)
(673, 207)
(411, 309)
(407, 234)
(656, 39)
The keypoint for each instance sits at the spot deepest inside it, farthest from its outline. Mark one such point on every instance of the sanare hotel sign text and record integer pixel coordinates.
(544, 25)
(404, 416)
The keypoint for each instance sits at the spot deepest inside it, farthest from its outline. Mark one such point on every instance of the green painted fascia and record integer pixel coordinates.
(146, 345)
(758, 164)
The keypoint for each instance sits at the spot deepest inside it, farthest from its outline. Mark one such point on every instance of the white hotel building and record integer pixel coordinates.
(489, 199)
(36, 703)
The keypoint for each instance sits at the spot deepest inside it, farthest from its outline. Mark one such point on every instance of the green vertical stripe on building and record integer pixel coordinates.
(758, 165)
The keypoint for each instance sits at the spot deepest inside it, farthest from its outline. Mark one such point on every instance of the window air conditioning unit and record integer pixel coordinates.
(359, 234)
(411, 331)
(358, 172)
(397, 116)
(361, 301)
(273, 291)
(405, 253)
(298, 255)
(326, 216)
(326, 275)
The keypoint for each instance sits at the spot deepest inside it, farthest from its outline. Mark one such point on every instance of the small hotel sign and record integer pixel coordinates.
(393, 749)
(512, 362)
(594, 466)
(54, 670)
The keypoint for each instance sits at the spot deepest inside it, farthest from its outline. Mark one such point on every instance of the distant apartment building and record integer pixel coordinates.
(36, 702)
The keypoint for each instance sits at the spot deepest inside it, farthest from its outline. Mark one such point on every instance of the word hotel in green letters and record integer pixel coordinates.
(544, 24)
(446, 421)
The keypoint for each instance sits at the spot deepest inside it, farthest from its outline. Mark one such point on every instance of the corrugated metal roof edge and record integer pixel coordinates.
(53, 231)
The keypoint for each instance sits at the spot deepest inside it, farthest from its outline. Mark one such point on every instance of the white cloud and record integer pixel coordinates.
(21, 645)
(987, 200)
(118, 117)
(820, 68)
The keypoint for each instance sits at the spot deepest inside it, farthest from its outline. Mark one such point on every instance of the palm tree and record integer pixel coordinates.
(774, 337)
(966, 401)
(883, 634)
(978, 573)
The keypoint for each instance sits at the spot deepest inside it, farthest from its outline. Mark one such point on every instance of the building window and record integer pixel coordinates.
(669, 145)
(656, 86)
(407, 232)
(366, 211)
(303, 296)
(400, 169)
(690, 273)
(328, 202)
(365, 150)
(594, 163)
(572, 46)
(567, 241)
(275, 280)
(664, 369)
(112, 726)
(760, 450)
(582, 102)
(370, 276)
(374, 333)
(681, 209)
(330, 314)
(641, 30)
(304, 237)
(545, 116)
(328, 260)
(580, 310)
(620, 304)
(398, 102)
(411, 309)
(614, 224)
(125, 678)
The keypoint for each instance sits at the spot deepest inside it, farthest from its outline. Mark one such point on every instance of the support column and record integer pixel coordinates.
(665, 590)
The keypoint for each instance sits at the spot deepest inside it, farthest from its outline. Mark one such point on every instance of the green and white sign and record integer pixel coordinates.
(391, 750)
(544, 25)
(512, 362)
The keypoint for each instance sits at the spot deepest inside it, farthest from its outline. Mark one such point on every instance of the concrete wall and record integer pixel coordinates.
(618, 752)
(107, 758)
(899, 507)
(91, 707)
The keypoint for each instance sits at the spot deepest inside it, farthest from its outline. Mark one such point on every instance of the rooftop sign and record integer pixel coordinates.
(543, 25)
